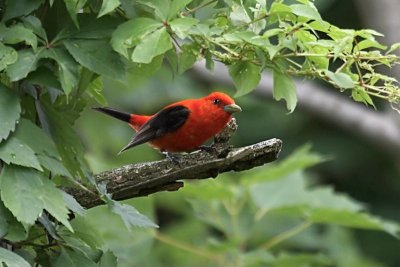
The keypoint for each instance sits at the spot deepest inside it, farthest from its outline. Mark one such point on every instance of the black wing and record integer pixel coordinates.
(165, 121)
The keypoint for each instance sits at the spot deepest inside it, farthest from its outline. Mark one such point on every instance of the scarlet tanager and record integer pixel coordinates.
(182, 126)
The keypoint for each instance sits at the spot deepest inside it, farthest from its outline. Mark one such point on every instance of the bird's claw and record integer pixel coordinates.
(209, 149)
(173, 158)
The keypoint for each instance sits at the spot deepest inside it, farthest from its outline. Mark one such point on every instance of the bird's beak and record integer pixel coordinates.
(232, 108)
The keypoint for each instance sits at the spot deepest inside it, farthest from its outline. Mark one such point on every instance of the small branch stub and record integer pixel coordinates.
(142, 179)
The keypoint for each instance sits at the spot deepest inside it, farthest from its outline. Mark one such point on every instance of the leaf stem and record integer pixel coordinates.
(286, 235)
(187, 247)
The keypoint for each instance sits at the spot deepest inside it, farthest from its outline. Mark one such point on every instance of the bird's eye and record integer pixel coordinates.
(217, 101)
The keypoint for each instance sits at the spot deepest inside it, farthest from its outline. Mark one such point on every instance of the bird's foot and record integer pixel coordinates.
(210, 149)
(172, 157)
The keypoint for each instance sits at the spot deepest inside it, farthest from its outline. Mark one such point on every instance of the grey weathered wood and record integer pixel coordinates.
(142, 179)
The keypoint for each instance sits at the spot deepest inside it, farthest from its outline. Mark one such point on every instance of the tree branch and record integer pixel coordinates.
(142, 179)
(378, 128)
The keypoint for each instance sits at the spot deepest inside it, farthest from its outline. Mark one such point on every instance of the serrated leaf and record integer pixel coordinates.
(318, 205)
(36, 138)
(10, 111)
(341, 79)
(130, 216)
(130, 33)
(67, 68)
(161, 7)
(73, 7)
(94, 90)
(108, 259)
(26, 62)
(298, 160)
(72, 204)
(154, 44)
(245, 76)
(306, 11)
(108, 6)
(73, 258)
(17, 152)
(368, 43)
(33, 23)
(21, 191)
(15, 231)
(9, 258)
(181, 26)
(66, 139)
(21, 7)
(18, 33)
(25, 192)
(176, 6)
(186, 58)
(284, 88)
(97, 56)
(8, 56)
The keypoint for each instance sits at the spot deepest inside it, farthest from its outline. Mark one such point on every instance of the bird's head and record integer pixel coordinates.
(222, 101)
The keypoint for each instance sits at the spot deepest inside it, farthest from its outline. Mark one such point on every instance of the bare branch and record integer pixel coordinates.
(378, 128)
(142, 179)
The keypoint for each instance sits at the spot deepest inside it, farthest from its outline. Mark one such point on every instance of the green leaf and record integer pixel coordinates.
(245, 75)
(92, 27)
(7, 56)
(132, 32)
(359, 95)
(73, 258)
(20, 7)
(368, 43)
(94, 90)
(67, 68)
(25, 192)
(306, 11)
(108, 6)
(43, 146)
(176, 6)
(18, 33)
(74, 7)
(33, 23)
(181, 26)
(11, 259)
(340, 79)
(284, 88)
(161, 7)
(10, 111)
(16, 152)
(298, 160)
(14, 230)
(154, 44)
(27, 62)
(130, 216)
(59, 127)
(318, 205)
(108, 260)
(72, 204)
(97, 56)
(187, 57)
(36, 138)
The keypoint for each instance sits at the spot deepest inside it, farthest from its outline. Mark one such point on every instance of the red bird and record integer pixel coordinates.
(182, 126)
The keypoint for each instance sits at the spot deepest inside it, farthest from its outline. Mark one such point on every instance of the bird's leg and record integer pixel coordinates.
(173, 158)
(210, 149)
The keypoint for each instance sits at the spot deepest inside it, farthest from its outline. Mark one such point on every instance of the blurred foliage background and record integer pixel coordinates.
(187, 237)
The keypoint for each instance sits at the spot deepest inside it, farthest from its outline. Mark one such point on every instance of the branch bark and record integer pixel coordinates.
(142, 179)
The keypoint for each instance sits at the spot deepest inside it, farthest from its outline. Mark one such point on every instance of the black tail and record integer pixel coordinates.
(116, 114)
